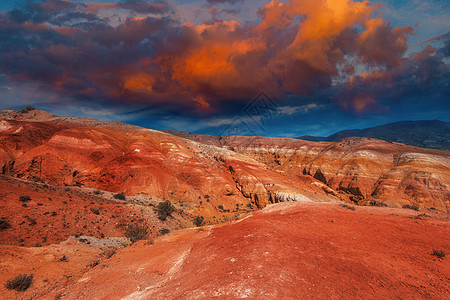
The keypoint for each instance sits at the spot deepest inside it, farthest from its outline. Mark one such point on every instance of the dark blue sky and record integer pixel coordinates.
(288, 68)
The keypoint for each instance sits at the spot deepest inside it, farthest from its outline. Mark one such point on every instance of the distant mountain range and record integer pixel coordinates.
(428, 134)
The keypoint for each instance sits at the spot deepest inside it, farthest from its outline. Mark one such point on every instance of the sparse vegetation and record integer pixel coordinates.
(438, 253)
(348, 206)
(95, 211)
(220, 206)
(414, 207)
(59, 296)
(31, 220)
(421, 216)
(136, 232)
(164, 231)
(110, 252)
(25, 198)
(64, 258)
(164, 210)
(198, 221)
(94, 263)
(377, 203)
(120, 196)
(19, 283)
(4, 225)
(29, 108)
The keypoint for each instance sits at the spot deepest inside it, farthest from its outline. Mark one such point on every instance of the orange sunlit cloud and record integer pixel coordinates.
(139, 83)
(298, 47)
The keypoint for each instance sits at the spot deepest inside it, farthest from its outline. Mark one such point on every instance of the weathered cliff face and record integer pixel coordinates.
(134, 160)
(264, 186)
(362, 170)
(229, 171)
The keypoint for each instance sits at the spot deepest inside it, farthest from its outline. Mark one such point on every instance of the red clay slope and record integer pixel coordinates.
(363, 170)
(285, 251)
(52, 214)
(129, 159)
(209, 171)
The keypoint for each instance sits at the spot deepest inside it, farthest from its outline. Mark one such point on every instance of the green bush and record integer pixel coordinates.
(64, 258)
(376, 203)
(136, 232)
(414, 207)
(24, 198)
(164, 231)
(4, 225)
(59, 296)
(19, 283)
(120, 196)
(198, 221)
(348, 206)
(164, 210)
(438, 253)
(31, 220)
(110, 252)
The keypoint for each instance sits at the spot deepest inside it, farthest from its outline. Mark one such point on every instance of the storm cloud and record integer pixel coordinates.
(149, 56)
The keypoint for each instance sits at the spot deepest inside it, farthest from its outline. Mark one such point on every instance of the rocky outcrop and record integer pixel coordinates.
(361, 170)
(233, 171)
(135, 160)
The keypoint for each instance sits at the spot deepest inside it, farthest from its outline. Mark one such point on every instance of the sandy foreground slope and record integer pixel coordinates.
(285, 251)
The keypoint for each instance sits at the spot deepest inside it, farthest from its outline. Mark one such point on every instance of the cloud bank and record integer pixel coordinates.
(140, 52)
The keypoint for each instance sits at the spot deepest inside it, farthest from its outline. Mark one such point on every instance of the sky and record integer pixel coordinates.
(248, 67)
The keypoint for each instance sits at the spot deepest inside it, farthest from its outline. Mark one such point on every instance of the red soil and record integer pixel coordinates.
(289, 250)
(286, 251)
(55, 213)
(53, 267)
